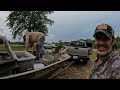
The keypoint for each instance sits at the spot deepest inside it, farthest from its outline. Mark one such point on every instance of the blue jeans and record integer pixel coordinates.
(40, 47)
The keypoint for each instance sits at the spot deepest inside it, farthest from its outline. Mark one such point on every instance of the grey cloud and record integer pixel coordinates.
(71, 25)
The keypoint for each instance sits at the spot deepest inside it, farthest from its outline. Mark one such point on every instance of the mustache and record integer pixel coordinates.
(101, 45)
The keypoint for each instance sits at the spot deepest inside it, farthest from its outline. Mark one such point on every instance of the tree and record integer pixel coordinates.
(118, 39)
(21, 22)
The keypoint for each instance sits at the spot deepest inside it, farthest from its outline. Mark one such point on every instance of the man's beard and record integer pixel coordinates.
(102, 53)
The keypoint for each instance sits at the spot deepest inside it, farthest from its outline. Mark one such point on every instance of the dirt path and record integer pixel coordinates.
(75, 71)
(78, 71)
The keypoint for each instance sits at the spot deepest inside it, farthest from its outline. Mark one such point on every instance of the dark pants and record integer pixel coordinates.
(40, 47)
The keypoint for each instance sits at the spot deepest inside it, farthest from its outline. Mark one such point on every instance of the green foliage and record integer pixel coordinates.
(115, 46)
(118, 39)
(18, 47)
(66, 43)
(117, 43)
(21, 22)
(60, 44)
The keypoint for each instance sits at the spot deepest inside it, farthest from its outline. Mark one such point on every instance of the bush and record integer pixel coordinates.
(60, 44)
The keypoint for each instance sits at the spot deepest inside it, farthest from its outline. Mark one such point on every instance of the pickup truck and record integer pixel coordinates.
(49, 45)
(79, 50)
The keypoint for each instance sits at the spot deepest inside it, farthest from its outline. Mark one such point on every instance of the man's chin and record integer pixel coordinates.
(101, 53)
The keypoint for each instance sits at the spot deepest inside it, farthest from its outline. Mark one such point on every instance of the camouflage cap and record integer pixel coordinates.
(106, 29)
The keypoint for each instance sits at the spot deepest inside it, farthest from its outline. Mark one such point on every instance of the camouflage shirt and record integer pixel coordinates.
(109, 69)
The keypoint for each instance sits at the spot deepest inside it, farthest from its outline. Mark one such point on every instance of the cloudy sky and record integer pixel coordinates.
(72, 25)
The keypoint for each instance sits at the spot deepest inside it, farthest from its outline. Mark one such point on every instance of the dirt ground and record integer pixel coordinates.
(78, 71)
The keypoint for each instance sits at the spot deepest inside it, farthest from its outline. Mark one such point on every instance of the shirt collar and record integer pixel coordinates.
(106, 57)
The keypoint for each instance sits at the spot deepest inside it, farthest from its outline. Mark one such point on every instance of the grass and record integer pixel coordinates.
(78, 71)
(118, 51)
(93, 56)
(15, 47)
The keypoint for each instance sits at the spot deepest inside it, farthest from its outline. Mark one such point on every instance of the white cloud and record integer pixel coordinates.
(4, 14)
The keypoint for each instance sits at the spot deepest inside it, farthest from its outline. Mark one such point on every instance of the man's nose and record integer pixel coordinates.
(101, 42)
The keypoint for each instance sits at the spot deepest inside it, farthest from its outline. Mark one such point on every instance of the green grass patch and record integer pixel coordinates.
(15, 47)
(93, 56)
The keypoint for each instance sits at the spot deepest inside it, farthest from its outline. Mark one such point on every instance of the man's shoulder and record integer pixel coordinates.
(116, 62)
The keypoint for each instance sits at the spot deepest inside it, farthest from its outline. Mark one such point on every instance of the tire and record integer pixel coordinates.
(85, 61)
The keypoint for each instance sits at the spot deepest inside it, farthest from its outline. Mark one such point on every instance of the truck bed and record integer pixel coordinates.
(80, 51)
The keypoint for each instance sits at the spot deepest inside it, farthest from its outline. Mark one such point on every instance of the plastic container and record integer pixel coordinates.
(25, 60)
